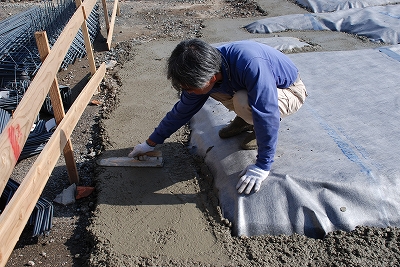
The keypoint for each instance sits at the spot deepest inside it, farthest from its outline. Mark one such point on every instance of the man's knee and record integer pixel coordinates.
(291, 99)
(225, 99)
(241, 106)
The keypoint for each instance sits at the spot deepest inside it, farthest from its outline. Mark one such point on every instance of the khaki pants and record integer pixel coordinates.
(289, 101)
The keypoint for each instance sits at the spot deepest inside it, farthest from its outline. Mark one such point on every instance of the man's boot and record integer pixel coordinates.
(237, 126)
(249, 142)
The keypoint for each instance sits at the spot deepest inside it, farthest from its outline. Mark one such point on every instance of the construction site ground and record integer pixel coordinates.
(169, 216)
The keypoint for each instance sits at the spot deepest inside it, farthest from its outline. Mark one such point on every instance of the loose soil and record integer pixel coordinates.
(169, 216)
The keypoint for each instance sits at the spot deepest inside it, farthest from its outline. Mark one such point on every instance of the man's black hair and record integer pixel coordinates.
(192, 64)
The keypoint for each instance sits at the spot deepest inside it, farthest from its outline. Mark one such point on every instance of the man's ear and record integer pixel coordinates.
(217, 77)
(213, 78)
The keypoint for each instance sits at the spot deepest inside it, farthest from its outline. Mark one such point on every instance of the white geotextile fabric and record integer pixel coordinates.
(319, 6)
(279, 43)
(336, 164)
(378, 23)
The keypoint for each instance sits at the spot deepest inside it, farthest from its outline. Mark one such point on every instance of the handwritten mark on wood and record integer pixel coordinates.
(14, 133)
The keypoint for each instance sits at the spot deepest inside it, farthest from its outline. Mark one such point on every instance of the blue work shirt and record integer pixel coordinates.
(246, 65)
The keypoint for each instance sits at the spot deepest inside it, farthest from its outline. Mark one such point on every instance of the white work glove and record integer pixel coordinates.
(140, 149)
(251, 176)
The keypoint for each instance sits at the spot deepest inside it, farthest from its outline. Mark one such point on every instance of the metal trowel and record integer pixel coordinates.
(148, 159)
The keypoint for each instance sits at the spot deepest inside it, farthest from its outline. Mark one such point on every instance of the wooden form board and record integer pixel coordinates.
(16, 214)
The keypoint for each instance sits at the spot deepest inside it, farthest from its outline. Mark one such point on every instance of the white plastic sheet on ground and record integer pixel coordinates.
(279, 43)
(378, 23)
(336, 164)
(319, 6)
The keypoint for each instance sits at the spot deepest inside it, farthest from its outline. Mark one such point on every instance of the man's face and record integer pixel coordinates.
(204, 90)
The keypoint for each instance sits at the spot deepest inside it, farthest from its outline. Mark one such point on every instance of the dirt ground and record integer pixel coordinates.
(170, 216)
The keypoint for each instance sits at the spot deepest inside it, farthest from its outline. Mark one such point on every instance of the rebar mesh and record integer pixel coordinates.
(19, 56)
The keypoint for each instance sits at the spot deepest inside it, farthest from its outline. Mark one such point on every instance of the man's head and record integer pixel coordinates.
(193, 65)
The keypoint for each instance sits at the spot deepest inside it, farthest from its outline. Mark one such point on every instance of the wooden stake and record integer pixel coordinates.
(88, 44)
(110, 32)
(86, 37)
(104, 2)
(58, 108)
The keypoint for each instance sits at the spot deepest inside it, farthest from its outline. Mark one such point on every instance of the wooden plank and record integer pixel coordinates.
(17, 130)
(58, 108)
(111, 30)
(17, 212)
(105, 12)
(87, 6)
(88, 44)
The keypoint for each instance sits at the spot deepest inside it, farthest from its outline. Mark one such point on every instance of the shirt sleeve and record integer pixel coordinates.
(180, 114)
(263, 100)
